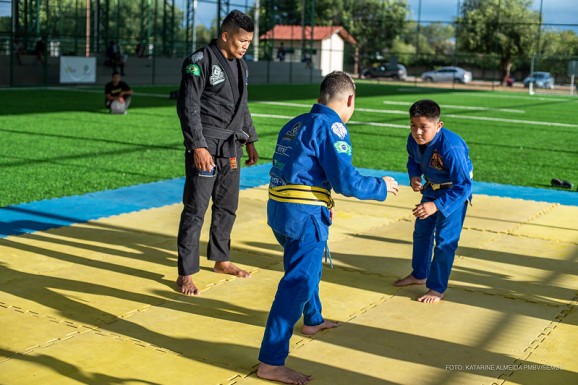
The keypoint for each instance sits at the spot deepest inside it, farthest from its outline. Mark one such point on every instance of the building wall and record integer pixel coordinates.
(328, 56)
(332, 54)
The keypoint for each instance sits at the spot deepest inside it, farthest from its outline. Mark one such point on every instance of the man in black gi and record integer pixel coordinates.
(216, 123)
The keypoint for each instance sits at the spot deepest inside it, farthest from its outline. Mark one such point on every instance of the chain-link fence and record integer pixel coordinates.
(153, 36)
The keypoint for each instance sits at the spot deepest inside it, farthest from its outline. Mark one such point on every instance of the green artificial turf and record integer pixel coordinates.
(63, 142)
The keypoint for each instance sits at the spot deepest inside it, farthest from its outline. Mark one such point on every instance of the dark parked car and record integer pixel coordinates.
(397, 72)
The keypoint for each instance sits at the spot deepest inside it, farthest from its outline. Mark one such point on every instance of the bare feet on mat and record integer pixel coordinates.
(311, 330)
(431, 296)
(227, 267)
(409, 280)
(282, 374)
(186, 286)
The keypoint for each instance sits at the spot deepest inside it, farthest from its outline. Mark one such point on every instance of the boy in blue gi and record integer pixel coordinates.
(312, 157)
(441, 156)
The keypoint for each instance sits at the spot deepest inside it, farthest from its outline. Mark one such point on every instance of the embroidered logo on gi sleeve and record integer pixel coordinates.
(217, 75)
(193, 69)
(436, 161)
(282, 150)
(292, 133)
(339, 130)
(197, 57)
(279, 165)
(342, 147)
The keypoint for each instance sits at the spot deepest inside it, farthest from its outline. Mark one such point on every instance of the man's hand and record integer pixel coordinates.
(252, 154)
(424, 210)
(415, 183)
(392, 185)
(203, 159)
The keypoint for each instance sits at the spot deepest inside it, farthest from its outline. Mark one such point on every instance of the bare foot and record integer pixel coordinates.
(310, 330)
(409, 280)
(186, 285)
(227, 267)
(431, 296)
(282, 374)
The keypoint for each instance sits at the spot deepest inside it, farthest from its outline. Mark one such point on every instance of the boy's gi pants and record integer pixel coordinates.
(446, 233)
(223, 188)
(298, 293)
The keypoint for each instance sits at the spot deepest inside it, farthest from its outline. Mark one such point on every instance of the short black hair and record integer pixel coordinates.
(334, 84)
(235, 21)
(115, 73)
(426, 108)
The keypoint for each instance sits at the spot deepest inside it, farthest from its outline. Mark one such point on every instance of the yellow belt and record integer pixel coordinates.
(298, 193)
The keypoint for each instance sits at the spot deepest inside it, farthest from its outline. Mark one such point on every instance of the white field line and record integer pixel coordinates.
(483, 118)
(73, 89)
(523, 97)
(463, 107)
(287, 118)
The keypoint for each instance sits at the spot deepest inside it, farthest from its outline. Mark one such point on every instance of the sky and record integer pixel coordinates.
(553, 11)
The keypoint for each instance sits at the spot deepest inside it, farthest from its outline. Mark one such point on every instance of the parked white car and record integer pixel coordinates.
(447, 74)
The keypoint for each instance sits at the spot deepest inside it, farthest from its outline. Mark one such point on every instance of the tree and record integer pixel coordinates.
(127, 21)
(375, 24)
(506, 28)
(563, 43)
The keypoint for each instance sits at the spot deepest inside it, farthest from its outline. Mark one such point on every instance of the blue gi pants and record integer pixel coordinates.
(298, 293)
(446, 232)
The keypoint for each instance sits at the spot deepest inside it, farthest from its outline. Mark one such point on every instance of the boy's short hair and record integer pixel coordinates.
(334, 84)
(236, 20)
(115, 73)
(426, 108)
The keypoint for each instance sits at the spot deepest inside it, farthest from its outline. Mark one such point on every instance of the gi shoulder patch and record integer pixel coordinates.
(197, 57)
(217, 75)
(339, 130)
(342, 147)
(193, 69)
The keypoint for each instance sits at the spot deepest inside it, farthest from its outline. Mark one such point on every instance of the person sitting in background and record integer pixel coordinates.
(117, 95)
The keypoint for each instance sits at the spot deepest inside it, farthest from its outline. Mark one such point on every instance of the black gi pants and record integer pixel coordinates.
(223, 188)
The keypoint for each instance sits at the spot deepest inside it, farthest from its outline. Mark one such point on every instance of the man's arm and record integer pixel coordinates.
(193, 80)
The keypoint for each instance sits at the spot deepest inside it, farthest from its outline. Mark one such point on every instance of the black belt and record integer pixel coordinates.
(438, 186)
(231, 139)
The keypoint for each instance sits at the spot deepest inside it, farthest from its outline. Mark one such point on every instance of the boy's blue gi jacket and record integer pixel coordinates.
(445, 159)
(314, 149)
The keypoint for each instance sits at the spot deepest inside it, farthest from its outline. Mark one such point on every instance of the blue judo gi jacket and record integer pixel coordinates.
(445, 159)
(314, 149)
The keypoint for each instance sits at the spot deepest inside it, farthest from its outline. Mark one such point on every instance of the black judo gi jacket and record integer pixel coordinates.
(206, 104)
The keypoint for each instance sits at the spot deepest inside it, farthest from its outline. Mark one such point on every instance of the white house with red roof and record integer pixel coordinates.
(322, 46)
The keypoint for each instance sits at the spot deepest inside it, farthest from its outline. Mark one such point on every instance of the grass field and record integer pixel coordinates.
(62, 142)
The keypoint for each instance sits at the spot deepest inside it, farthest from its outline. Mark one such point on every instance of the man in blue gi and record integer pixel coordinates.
(216, 123)
(312, 157)
(442, 158)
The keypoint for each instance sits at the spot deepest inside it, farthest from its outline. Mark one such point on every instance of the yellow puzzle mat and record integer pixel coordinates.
(95, 303)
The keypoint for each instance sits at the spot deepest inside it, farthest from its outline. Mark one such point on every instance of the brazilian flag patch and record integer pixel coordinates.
(193, 69)
(342, 147)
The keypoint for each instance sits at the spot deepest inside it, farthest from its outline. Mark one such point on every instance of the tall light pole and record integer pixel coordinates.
(256, 35)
